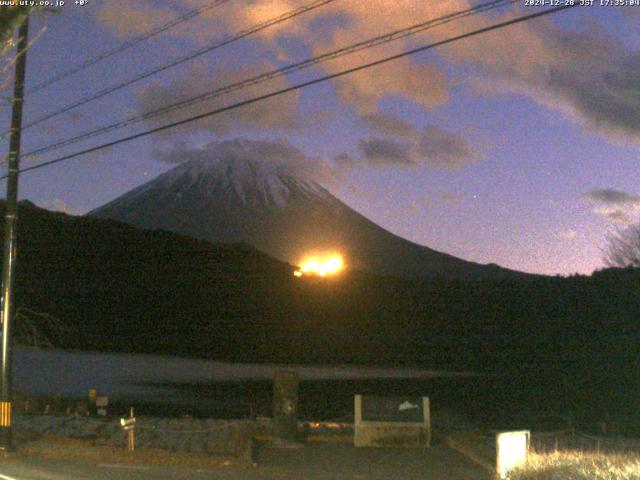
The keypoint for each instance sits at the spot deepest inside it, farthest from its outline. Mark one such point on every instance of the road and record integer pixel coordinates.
(325, 461)
(48, 469)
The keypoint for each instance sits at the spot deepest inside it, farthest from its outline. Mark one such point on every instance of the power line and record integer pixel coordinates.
(300, 86)
(370, 43)
(240, 35)
(126, 45)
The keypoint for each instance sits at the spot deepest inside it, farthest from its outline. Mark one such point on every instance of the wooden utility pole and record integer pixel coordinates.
(9, 252)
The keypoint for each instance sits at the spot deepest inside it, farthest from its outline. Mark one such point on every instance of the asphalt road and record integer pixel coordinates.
(324, 461)
(48, 469)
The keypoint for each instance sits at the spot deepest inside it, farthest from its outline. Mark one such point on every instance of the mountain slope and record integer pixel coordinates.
(234, 198)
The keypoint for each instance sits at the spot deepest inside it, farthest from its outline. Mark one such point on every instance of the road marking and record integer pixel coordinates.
(117, 465)
(7, 477)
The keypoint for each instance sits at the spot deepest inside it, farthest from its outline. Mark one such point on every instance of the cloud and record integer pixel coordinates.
(384, 150)
(129, 19)
(257, 12)
(600, 82)
(617, 206)
(445, 150)
(424, 84)
(588, 74)
(286, 157)
(616, 215)
(410, 78)
(279, 113)
(388, 124)
(278, 154)
(612, 196)
(434, 147)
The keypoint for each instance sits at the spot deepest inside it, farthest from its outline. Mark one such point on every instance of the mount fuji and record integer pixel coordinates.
(236, 199)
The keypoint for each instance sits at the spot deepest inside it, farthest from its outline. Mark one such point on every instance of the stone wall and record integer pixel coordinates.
(217, 437)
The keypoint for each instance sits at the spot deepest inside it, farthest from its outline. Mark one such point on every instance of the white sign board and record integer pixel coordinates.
(392, 421)
(511, 449)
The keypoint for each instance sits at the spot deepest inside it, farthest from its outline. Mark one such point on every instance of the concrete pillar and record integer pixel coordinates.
(285, 406)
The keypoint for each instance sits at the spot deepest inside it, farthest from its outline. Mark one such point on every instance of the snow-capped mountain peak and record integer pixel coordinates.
(244, 192)
(249, 181)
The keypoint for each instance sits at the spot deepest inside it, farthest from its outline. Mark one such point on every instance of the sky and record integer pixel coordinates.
(518, 147)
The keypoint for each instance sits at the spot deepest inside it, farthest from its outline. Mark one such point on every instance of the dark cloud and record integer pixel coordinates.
(612, 196)
(384, 150)
(602, 85)
(442, 149)
(588, 73)
(617, 206)
(434, 147)
(344, 160)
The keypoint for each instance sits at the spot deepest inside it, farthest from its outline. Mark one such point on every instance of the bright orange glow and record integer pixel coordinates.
(322, 266)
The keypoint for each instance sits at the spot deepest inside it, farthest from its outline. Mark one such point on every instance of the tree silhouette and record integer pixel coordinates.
(623, 249)
(11, 17)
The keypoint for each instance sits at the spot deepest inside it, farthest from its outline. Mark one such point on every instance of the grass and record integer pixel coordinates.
(579, 466)
(51, 446)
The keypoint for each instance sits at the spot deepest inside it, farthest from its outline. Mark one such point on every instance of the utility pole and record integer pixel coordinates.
(9, 252)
